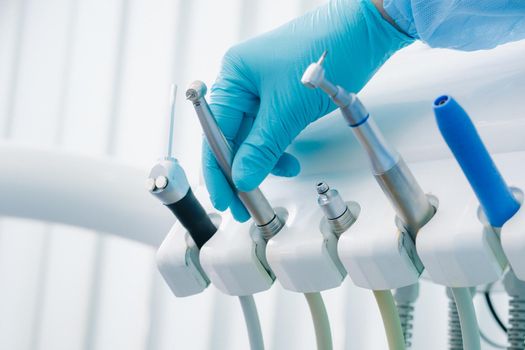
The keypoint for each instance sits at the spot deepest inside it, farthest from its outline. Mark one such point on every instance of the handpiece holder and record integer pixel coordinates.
(235, 260)
(178, 263)
(376, 251)
(461, 245)
(513, 233)
(303, 255)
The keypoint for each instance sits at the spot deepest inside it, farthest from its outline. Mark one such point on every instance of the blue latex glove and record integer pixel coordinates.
(460, 24)
(260, 103)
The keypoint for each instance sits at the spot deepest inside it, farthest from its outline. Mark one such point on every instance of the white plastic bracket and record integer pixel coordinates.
(303, 255)
(457, 249)
(178, 263)
(234, 261)
(376, 254)
(513, 237)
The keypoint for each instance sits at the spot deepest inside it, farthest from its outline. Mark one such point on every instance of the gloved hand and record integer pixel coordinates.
(260, 103)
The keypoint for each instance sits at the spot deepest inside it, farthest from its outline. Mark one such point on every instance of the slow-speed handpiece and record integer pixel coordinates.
(389, 169)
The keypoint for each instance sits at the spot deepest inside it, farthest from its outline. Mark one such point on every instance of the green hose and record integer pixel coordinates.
(391, 321)
(323, 335)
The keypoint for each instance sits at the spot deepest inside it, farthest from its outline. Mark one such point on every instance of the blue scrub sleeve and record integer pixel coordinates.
(460, 24)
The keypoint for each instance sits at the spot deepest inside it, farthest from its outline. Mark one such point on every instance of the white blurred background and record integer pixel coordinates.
(92, 77)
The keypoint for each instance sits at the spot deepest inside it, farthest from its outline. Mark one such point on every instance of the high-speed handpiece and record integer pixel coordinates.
(255, 202)
(389, 169)
(167, 181)
(462, 138)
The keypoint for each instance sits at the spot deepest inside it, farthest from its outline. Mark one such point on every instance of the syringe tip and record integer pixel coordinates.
(196, 90)
(323, 56)
(322, 187)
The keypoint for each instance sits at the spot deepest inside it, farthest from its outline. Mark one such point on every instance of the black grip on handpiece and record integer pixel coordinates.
(194, 218)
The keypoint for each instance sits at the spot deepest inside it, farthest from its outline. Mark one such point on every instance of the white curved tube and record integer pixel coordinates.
(391, 321)
(94, 193)
(251, 317)
(467, 318)
(323, 334)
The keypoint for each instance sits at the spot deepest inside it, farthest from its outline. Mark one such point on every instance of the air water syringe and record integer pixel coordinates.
(167, 182)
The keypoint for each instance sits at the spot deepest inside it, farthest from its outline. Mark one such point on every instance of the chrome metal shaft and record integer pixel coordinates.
(255, 202)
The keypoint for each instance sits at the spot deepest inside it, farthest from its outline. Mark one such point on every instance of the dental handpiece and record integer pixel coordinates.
(462, 138)
(389, 169)
(168, 183)
(255, 202)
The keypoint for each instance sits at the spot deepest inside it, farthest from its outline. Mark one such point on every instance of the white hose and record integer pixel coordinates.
(251, 318)
(467, 318)
(323, 334)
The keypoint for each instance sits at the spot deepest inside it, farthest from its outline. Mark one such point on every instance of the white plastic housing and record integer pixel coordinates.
(513, 242)
(178, 263)
(303, 258)
(455, 247)
(375, 253)
(230, 261)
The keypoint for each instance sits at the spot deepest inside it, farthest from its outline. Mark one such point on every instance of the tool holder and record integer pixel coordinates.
(513, 231)
(375, 252)
(458, 247)
(303, 255)
(235, 261)
(178, 263)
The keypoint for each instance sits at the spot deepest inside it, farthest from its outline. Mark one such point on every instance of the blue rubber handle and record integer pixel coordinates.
(463, 139)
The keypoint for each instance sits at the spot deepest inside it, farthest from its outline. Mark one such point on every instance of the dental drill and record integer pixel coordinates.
(255, 202)
(168, 183)
(389, 169)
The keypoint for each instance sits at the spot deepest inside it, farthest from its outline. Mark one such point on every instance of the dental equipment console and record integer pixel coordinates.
(389, 169)
(265, 218)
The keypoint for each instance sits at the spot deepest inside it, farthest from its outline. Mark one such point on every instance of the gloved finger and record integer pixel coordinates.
(233, 95)
(238, 210)
(262, 149)
(287, 166)
(221, 194)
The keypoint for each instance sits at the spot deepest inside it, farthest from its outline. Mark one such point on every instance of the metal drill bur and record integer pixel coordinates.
(255, 202)
(391, 172)
(335, 210)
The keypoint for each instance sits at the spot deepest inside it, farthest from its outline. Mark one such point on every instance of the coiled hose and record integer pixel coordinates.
(455, 340)
(516, 329)
(405, 298)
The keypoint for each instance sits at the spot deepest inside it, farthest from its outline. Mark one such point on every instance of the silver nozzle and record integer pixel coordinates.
(255, 202)
(167, 181)
(335, 210)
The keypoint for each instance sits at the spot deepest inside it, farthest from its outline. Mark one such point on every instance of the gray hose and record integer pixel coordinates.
(467, 318)
(455, 340)
(251, 317)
